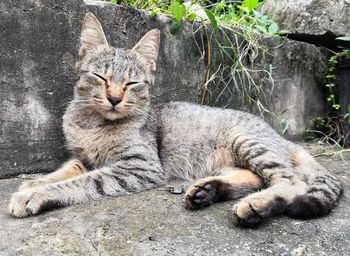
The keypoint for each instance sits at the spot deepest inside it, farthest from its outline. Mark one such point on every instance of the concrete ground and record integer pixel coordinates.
(155, 223)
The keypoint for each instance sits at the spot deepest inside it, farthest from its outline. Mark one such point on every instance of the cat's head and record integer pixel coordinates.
(114, 82)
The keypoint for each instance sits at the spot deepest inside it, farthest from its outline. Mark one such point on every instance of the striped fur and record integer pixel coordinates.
(129, 146)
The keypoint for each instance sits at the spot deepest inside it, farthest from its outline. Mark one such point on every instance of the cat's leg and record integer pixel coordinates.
(257, 207)
(114, 180)
(288, 186)
(68, 170)
(231, 183)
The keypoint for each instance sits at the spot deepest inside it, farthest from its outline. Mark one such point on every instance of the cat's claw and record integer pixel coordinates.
(201, 195)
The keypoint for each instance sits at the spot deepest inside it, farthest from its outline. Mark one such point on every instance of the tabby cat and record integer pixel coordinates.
(121, 144)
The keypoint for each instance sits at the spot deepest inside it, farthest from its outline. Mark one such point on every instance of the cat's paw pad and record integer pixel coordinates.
(25, 203)
(201, 195)
(252, 212)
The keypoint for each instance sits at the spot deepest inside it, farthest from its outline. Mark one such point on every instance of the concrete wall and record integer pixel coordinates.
(39, 42)
(311, 17)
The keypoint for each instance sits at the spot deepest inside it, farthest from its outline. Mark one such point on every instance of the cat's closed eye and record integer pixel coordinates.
(130, 83)
(95, 75)
(101, 77)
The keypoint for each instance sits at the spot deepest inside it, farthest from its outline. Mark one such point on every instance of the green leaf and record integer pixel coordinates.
(257, 14)
(244, 9)
(192, 16)
(343, 38)
(330, 76)
(175, 26)
(114, 1)
(265, 20)
(331, 85)
(178, 10)
(211, 18)
(251, 4)
(155, 12)
(273, 28)
(336, 106)
(284, 32)
(261, 29)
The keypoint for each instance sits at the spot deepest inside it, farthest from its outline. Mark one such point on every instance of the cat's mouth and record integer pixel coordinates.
(116, 112)
(118, 109)
(109, 109)
(113, 110)
(109, 112)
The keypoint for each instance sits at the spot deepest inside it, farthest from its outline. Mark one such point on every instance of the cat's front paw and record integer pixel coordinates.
(200, 195)
(27, 202)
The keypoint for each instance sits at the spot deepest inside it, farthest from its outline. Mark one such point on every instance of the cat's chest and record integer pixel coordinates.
(92, 145)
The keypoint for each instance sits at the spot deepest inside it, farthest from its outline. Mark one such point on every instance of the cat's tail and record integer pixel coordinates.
(321, 197)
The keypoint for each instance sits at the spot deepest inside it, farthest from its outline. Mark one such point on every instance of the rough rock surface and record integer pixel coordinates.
(314, 17)
(39, 43)
(155, 223)
(298, 71)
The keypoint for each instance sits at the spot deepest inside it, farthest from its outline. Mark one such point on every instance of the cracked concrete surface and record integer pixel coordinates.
(155, 223)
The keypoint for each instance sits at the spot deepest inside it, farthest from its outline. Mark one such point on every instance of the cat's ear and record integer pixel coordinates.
(92, 34)
(148, 47)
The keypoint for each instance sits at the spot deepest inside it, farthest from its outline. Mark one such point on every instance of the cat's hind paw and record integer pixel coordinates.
(252, 212)
(27, 202)
(201, 195)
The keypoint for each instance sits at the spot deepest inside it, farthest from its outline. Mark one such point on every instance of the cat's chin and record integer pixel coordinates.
(112, 115)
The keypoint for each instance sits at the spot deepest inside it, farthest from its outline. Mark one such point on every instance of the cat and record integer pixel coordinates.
(122, 144)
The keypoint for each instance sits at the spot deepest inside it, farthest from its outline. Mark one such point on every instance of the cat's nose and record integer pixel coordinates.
(114, 100)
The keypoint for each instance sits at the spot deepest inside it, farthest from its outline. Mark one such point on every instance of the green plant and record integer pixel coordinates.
(246, 14)
(343, 38)
(347, 115)
(331, 77)
(239, 53)
(283, 122)
(331, 125)
(179, 11)
(235, 36)
(229, 12)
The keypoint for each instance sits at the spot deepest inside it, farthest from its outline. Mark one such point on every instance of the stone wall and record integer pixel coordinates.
(39, 42)
(313, 17)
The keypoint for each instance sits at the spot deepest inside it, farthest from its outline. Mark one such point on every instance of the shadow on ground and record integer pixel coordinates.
(155, 223)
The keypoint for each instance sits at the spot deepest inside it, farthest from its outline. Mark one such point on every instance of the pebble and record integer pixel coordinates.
(300, 251)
